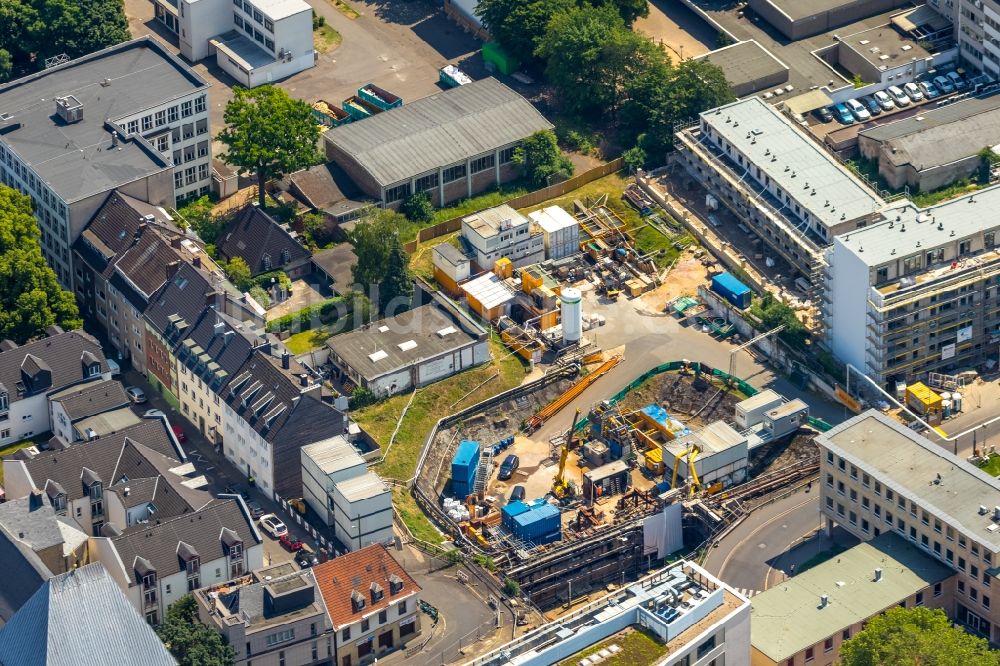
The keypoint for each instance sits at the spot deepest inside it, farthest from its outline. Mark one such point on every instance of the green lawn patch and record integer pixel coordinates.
(479, 202)
(962, 187)
(326, 39)
(638, 648)
(345, 9)
(305, 341)
(11, 449)
(992, 466)
(422, 261)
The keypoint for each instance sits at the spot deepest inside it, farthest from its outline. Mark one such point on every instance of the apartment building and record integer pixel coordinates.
(29, 374)
(69, 407)
(271, 617)
(32, 523)
(699, 620)
(807, 618)
(976, 25)
(503, 233)
(272, 408)
(131, 117)
(374, 604)
(255, 42)
(878, 476)
(777, 181)
(158, 562)
(917, 292)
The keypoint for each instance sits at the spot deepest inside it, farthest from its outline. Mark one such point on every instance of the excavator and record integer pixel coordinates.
(690, 455)
(560, 485)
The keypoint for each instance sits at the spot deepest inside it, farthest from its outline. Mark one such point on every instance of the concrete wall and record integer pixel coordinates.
(822, 20)
(846, 289)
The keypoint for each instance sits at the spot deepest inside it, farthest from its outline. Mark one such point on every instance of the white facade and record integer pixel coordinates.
(254, 42)
(560, 231)
(502, 232)
(362, 509)
(29, 416)
(244, 447)
(323, 465)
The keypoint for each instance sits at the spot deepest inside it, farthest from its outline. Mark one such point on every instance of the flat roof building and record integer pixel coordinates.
(878, 476)
(502, 233)
(810, 615)
(130, 114)
(934, 148)
(883, 54)
(451, 145)
(412, 349)
(748, 67)
(798, 19)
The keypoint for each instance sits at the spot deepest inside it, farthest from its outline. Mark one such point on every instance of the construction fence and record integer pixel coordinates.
(523, 201)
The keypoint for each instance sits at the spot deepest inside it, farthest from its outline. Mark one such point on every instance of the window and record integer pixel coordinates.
(426, 182)
(842, 464)
(268, 24)
(383, 616)
(280, 637)
(852, 518)
(961, 587)
(397, 193)
(161, 118)
(865, 481)
(829, 502)
(706, 647)
(854, 472)
(507, 156)
(172, 114)
(482, 163)
(203, 171)
(364, 625)
(202, 148)
(199, 104)
(809, 655)
(402, 607)
(268, 43)
(919, 599)
(190, 175)
(854, 495)
(186, 109)
(829, 457)
(840, 487)
(828, 645)
(201, 127)
(345, 633)
(986, 601)
(132, 127)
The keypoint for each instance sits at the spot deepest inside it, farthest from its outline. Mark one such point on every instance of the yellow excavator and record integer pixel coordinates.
(689, 456)
(560, 485)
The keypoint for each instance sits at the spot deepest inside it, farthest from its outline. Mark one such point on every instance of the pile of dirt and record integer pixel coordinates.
(694, 401)
(780, 454)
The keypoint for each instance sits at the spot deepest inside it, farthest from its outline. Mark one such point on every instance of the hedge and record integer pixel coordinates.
(304, 319)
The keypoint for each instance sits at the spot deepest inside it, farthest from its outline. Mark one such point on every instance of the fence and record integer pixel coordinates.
(523, 201)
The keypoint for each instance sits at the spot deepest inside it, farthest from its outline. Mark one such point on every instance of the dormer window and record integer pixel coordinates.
(395, 584)
(95, 491)
(94, 370)
(266, 261)
(59, 503)
(377, 592)
(357, 601)
(285, 257)
(4, 402)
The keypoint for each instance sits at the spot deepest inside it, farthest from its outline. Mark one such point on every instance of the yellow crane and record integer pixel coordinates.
(560, 485)
(690, 455)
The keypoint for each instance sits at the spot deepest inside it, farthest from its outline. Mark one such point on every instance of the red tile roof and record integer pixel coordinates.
(357, 571)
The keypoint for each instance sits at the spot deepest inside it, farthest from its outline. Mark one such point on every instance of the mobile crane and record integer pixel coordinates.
(560, 485)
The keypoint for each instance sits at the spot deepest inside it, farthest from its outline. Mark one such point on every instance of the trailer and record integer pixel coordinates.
(453, 77)
(358, 108)
(329, 115)
(381, 98)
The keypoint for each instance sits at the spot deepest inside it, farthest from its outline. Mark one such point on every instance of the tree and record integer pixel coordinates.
(31, 299)
(382, 263)
(417, 207)
(629, 10)
(191, 642)
(6, 64)
(518, 25)
(260, 295)
(197, 214)
(916, 636)
(314, 229)
(269, 134)
(634, 158)
(238, 273)
(538, 157)
(511, 587)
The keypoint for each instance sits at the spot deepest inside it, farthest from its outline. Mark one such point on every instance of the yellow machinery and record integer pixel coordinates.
(689, 456)
(560, 486)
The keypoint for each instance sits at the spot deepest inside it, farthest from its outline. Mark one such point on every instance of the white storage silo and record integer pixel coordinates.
(572, 314)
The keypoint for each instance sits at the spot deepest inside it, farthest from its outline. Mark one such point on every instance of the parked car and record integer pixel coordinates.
(306, 558)
(872, 105)
(517, 494)
(844, 115)
(508, 466)
(913, 91)
(270, 524)
(858, 109)
(929, 89)
(290, 543)
(898, 96)
(957, 80)
(136, 394)
(824, 114)
(882, 97)
(237, 489)
(256, 510)
(944, 84)
(179, 433)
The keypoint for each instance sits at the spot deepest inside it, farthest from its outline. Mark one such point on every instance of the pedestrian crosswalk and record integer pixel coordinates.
(747, 593)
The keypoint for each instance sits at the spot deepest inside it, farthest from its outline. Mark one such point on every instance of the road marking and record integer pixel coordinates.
(742, 541)
(747, 593)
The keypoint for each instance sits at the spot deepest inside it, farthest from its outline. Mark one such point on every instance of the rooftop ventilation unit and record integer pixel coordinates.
(996, 513)
(983, 510)
(824, 601)
(69, 109)
(878, 574)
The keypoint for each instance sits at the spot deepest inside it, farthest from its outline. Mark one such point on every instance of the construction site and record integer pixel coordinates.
(650, 474)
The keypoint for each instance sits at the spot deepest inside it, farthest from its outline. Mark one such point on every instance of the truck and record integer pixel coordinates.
(358, 108)
(329, 115)
(381, 98)
(453, 77)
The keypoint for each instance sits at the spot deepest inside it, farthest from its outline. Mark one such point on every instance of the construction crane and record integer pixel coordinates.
(560, 485)
(689, 456)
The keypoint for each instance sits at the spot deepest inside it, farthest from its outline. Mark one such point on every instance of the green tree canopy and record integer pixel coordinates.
(915, 637)
(519, 25)
(538, 157)
(238, 273)
(191, 642)
(30, 296)
(629, 10)
(33, 30)
(382, 265)
(417, 208)
(269, 134)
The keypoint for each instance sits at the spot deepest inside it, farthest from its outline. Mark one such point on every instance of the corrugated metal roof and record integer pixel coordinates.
(333, 455)
(489, 290)
(362, 487)
(437, 131)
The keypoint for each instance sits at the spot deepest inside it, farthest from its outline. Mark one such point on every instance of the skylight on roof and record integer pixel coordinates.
(383, 329)
(377, 356)
(446, 331)
(407, 346)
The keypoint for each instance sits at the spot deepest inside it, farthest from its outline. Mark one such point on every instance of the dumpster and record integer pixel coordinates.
(500, 59)
(329, 115)
(452, 76)
(383, 99)
(358, 108)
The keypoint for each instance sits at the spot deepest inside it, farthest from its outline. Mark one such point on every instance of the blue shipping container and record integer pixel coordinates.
(732, 290)
(465, 464)
(539, 525)
(510, 511)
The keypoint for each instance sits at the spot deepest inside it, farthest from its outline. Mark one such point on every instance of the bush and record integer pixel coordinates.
(304, 319)
(264, 280)
(417, 208)
(578, 141)
(318, 21)
(362, 397)
(258, 294)
(511, 587)
(634, 158)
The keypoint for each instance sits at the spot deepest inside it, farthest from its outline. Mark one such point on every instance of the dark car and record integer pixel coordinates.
(872, 105)
(256, 510)
(508, 466)
(237, 489)
(824, 114)
(517, 494)
(179, 433)
(305, 559)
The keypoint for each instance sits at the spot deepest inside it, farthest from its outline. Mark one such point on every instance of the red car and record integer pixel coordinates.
(290, 543)
(179, 433)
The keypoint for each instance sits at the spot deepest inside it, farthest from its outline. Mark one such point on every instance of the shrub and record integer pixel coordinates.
(511, 587)
(258, 294)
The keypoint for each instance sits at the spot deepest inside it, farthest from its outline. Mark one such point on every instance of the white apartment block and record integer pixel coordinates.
(976, 26)
(254, 42)
(877, 475)
(132, 117)
(502, 232)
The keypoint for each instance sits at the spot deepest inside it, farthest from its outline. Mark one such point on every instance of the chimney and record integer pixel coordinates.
(304, 379)
(197, 262)
(996, 513)
(878, 574)
(211, 298)
(172, 268)
(35, 500)
(286, 360)
(218, 328)
(824, 600)
(227, 337)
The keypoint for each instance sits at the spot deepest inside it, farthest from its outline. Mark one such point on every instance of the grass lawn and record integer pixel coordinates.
(478, 203)
(962, 187)
(305, 341)
(422, 261)
(638, 648)
(992, 466)
(326, 39)
(10, 449)
(428, 406)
